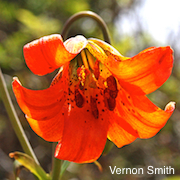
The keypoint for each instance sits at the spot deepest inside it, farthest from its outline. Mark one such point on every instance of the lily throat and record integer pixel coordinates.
(91, 84)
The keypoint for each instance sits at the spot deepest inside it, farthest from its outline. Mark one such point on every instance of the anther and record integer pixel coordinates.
(94, 108)
(111, 103)
(78, 98)
(91, 59)
(112, 86)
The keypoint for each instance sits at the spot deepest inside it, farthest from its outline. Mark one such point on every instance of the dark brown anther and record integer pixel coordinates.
(111, 103)
(112, 86)
(94, 108)
(111, 83)
(106, 93)
(79, 98)
(113, 94)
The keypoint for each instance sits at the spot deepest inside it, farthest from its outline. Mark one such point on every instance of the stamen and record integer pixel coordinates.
(111, 103)
(84, 59)
(91, 59)
(94, 108)
(78, 98)
(112, 86)
(111, 83)
(82, 73)
(79, 61)
(110, 93)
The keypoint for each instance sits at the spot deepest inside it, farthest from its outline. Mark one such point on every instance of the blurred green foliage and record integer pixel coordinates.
(22, 21)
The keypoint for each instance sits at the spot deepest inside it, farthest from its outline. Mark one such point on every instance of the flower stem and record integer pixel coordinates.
(56, 167)
(89, 14)
(14, 119)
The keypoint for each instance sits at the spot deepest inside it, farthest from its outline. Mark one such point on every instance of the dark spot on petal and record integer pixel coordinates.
(122, 103)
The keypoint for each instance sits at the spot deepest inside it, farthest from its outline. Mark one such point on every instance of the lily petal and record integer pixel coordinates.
(84, 137)
(42, 104)
(50, 130)
(141, 74)
(118, 135)
(43, 107)
(48, 53)
(144, 117)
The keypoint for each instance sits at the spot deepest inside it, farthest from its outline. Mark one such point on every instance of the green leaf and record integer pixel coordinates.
(29, 163)
(64, 166)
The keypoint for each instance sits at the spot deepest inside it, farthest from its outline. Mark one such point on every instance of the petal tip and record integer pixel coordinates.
(16, 81)
(170, 107)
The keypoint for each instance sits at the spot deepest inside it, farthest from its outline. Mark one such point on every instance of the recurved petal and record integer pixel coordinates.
(48, 53)
(41, 104)
(105, 46)
(51, 129)
(84, 137)
(141, 74)
(147, 71)
(144, 117)
(75, 44)
(118, 135)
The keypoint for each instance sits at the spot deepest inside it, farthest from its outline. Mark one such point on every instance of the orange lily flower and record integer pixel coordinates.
(97, 94)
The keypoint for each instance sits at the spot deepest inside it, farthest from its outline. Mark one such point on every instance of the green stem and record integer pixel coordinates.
(56, 167)
(14, 119)
(89, 14)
